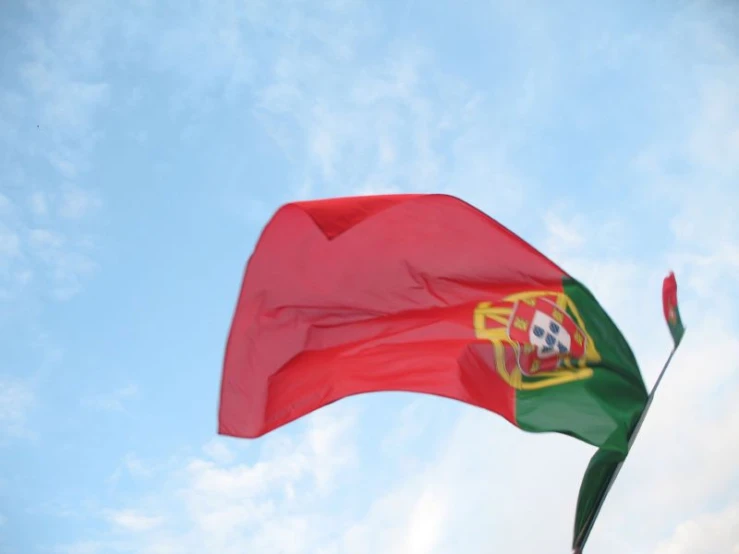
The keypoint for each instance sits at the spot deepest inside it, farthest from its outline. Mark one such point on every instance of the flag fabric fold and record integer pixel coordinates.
(424, 293)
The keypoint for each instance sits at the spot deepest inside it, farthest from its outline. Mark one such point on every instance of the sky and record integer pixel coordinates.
(144, 144)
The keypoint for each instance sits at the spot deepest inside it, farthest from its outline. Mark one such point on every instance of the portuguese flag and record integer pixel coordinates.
(672, 312)
(427, 294)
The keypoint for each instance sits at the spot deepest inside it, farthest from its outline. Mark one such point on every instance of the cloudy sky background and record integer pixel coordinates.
(144, 144)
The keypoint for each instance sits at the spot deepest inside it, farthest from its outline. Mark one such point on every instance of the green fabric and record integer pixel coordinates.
(677, 330)
(594, 487)
(601, 410)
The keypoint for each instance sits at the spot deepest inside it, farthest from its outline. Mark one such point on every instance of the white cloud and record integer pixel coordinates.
(711, 533)
(134, 521)
(469, 496)
(692, 424)
(319, 455)
(270, 504)
(426, 523)
(302, 471)
(217, 451)
(325, 442)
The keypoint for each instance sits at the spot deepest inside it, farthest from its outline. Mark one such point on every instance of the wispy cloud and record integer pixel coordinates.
(397, 124)
(12, 270)
(248, 503)
(134, 467)
(82, 547)
(17, 399)
(133, 521)
(34, 246)
(66, 262)
(76, 203)
(39, 203)
(692, 162)
(47, 130)
(114, 401)
(711, 532)
(217, 451)
(270, 504)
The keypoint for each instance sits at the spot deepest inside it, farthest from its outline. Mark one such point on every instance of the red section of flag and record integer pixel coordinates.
(669, 298)
(357, 295)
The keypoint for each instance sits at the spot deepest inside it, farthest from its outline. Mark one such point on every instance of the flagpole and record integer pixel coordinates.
(585, 533)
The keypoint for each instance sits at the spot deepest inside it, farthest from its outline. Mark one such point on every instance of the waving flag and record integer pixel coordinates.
(426, 294)
(672, 312)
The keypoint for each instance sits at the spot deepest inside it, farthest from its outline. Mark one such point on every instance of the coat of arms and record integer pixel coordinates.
(538, 339)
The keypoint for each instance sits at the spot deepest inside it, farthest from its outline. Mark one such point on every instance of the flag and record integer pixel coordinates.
(426, 294)
(672, 313)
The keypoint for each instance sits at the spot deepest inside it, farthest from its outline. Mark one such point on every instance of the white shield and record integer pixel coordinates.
(549, 337)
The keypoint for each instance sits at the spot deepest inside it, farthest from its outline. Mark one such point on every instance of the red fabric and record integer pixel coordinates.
(355, 295)
(669, 298)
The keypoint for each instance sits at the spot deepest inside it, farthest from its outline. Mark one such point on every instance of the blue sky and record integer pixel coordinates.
(144, 144)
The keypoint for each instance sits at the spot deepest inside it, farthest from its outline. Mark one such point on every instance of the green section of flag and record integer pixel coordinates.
(601, 410)
(677, 329)
(595, 484)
